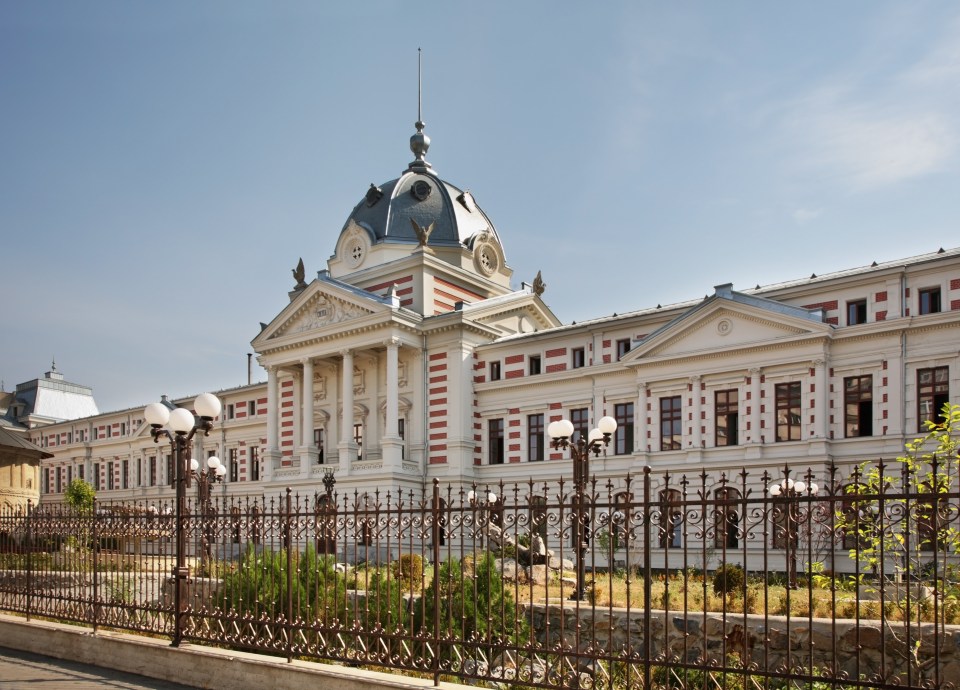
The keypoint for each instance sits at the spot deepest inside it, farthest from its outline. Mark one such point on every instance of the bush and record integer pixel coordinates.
(408, 570)
(729, 578)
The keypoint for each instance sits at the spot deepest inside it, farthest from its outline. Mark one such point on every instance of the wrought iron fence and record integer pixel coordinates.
(737, 580)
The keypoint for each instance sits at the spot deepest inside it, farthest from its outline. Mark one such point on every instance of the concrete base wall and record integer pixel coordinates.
(202, 667)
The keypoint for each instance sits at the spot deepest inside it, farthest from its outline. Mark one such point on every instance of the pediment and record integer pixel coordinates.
(723, 325)
(320, 306)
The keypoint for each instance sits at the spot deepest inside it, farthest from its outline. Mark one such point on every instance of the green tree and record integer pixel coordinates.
(80, 496)
(904, 522)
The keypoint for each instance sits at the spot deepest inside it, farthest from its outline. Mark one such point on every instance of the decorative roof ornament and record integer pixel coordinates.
(423, 234)
(419, 142)
(299, 274)
(538, 285)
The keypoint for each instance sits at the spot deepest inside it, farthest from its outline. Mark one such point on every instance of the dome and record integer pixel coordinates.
(419, 195)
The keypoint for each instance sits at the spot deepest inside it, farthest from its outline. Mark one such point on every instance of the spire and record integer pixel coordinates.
(419, 142)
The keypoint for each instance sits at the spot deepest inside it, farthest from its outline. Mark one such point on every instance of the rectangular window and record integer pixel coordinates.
(233, 465)
(251, 408)
(495, 441)
(402, 433)
(535, 437)
(856, 312)
(59, 480)
(96, 476)
(96, 433)
(152, 471)
(788, 411)
(318, 442)
(623, 347)
(930, 300)
(623, 437)
(81, 469)
(671, 423)
(254, 463)
(230, 411)
(579, 358)
(581, 423)
(494, 371)
(171, 471)
(125, 474)
(933, 392)
(140, 472)
(69, 437)
(358, 439)
(728, 417)
(857, 406)
(110, 480)
(69, 475)
(534, 362)
(123, 428)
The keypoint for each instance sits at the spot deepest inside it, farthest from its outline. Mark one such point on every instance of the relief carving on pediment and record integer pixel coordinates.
(323, 311)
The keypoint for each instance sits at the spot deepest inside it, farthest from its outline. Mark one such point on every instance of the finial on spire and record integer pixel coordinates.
(419, 142)
(53, 366)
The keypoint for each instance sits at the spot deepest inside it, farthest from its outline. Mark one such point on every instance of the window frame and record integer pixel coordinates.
(534, 365)
(495, 370)
(787, 397)
(496, 443)
(929, 300)
(856, 398)
(858, 309)
(723, 408)
(536, 430)
(578, 357)
(623, 438)
(623, 347)
(671, 415)
(933, 392)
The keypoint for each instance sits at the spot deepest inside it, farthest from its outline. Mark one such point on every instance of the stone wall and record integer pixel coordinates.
(772, 642)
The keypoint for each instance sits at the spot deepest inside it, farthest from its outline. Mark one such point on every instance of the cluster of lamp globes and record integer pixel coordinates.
(562, 430)
(181, 421)
(789, 487)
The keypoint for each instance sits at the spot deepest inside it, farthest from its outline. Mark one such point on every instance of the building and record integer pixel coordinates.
(40, 402)
(410, 357)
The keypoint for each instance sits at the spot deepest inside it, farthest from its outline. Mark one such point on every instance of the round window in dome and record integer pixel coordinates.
(354, 252)
(421, 189)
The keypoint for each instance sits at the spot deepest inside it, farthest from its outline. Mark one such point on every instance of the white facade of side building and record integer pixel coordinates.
(411, 351)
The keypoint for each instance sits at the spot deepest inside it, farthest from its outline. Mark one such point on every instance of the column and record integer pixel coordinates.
(347, 446)
(391, 443)
(755, 430)
(309, 453)
(642, 442)
(696, 439)
(272, 452)
(821, 415)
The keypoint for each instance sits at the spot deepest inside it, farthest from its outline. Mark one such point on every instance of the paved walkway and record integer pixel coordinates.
(25, 671)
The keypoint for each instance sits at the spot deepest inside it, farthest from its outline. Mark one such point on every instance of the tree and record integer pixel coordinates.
(907, 523)
(80, 496)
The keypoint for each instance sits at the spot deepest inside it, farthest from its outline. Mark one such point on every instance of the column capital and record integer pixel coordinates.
(392, 343)
(755, 371)
(819, 362)
(346, 353)
(695, 378)
(306, 360)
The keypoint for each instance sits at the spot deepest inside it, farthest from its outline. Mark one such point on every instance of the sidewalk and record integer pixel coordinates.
(25, 671)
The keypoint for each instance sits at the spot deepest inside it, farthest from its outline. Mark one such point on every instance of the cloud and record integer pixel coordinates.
(867, 128)
(805, 215)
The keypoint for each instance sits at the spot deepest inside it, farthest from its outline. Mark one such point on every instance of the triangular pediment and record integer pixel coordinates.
(720, 324)
(322, 305)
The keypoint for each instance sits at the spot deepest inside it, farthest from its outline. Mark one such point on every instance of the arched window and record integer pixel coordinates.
(726, 519)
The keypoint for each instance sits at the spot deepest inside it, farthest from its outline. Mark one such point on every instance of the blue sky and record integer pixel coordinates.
(163, 166)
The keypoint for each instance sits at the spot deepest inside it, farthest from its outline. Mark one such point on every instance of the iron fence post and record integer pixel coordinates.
(647, 583)
(29, 559)
(289, 546)
(435, 509)
(96, 564)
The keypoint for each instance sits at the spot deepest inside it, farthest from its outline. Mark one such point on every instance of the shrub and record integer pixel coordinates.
(729, 578)
(408, 570)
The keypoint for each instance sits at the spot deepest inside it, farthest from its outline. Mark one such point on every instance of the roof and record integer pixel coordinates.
(9, 439)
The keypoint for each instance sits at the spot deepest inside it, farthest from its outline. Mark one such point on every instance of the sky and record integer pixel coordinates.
(163, 166)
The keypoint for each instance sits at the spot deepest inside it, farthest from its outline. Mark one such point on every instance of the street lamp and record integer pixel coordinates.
(561, 437)
(182, 427)
(212, 474)
(790, 491)
(478, 500)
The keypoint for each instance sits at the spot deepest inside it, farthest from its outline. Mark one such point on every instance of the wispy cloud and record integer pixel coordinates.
(865, 129)
(805, 215)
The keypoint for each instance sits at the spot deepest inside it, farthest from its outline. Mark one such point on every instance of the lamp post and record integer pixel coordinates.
(561, 437)
(478, 500)
(182, 427)
(789, 492)
(212, 474)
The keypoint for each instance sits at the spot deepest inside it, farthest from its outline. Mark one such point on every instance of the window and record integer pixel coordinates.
(671, 519)
(495, 441)
(728, 417)
(230, 411)
(579, 358)
(69, 475)
(59, 481)
(856, 312)
(857, 406)
(125, 474)
(358, 439)
(623, 347)
(171, 470)
(96, 433)
(232, 461)
(81, 471)
(152, 472)
(726, 519)
(110, 478)
(251, 408)
(534, 367)
(318, 442)
(123, 428)
(494, 371)
(254, 463)
(96, 476)
(933, 392)
(535, 437)
(581, 423)
(69, 437)
(402, 433)
(623, 436)
(930, 300)
(788, 411)
(671, 423)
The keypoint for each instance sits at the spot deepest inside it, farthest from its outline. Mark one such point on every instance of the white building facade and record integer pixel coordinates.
(411, 358)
